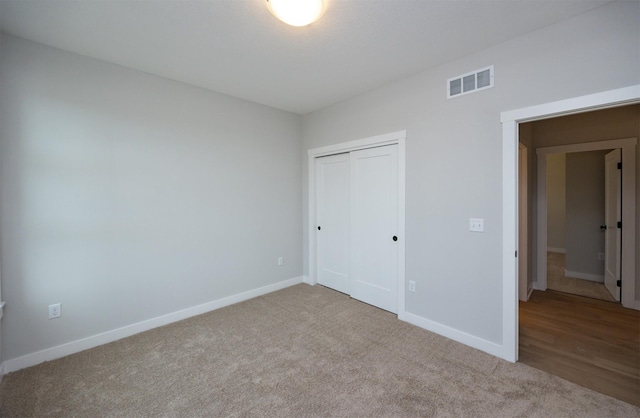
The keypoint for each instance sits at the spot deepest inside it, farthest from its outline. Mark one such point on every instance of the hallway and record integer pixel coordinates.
(590, 342)
(556, 280)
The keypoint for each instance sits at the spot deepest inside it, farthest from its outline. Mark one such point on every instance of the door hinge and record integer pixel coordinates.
(620, 225)
(619, 166)
(516, 254)
(619, 283)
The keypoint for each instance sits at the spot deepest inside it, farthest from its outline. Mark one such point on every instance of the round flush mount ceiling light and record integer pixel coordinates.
(296, 12)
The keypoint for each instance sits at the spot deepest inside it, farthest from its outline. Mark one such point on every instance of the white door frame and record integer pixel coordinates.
(374, 141)
(628, 147)
(510, 120)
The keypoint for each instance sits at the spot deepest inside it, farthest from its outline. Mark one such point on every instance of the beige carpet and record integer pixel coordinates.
(302, 351)
(556, 280)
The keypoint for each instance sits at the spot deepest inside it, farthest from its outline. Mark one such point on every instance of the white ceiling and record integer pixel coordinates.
(236, 47)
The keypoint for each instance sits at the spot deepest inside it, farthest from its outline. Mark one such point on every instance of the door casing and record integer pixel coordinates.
(510, 121)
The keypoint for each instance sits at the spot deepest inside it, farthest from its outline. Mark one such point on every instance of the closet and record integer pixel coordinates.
(357, 224)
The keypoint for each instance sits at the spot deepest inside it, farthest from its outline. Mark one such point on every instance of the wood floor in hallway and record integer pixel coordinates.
(590, 342)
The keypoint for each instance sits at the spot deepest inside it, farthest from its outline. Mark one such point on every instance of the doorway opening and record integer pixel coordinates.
(580, 248)
(584, 196)
(570, 205)
(579, 203)
(511, 121)
(583, 205)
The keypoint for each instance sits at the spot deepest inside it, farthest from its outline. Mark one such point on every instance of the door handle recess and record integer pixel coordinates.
(395, 238)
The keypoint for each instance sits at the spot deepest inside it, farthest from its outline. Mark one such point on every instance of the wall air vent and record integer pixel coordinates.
(470, 82)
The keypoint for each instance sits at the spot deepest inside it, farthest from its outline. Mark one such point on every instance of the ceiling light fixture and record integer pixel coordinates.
(296, 12)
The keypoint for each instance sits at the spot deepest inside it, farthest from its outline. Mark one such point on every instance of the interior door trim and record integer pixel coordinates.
(510, 120)
(398, 138)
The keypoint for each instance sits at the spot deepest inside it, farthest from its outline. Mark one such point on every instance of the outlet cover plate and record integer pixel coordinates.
(55, 311)
(476, 225)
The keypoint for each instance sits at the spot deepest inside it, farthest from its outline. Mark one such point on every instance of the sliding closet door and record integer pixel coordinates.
(332, 175)
(374, 223)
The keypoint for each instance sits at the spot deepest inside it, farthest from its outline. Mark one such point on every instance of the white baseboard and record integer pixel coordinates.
(536, 286)
(527, 295)
(308, 280)
(2, 371)
(584, 276)
(73, 347)
(456, 335)
(556, 250)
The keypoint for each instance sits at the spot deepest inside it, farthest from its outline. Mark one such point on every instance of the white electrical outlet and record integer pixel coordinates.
(55, 311)
(601, 256)
(412, 286)
(280, 261)
(476, 225)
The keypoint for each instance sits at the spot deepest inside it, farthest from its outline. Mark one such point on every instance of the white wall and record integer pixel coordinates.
(556, 201)
(127, 196)
(454, 151)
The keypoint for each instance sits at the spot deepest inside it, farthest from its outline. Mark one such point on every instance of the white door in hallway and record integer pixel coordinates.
(332, 176)
(374, 226)
(612, 214)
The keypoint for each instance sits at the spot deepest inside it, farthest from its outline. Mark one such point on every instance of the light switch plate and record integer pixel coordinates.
(476, 225)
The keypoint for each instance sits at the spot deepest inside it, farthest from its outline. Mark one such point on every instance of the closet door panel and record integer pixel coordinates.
(333, 199)
(374, 220)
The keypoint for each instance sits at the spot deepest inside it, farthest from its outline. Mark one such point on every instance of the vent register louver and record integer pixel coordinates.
(470, 82)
